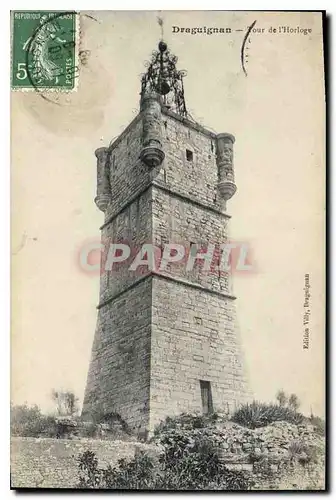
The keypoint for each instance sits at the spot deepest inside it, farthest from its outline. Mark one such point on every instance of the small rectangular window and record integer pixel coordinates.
(163, 174)
(193, 248)
(207, 406)
(189, 155)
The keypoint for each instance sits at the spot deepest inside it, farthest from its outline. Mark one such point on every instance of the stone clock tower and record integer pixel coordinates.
(165, 341)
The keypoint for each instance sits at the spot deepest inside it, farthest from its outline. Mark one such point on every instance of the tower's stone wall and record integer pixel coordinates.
(119, 374)
(183, 222)
(193, 338)
(196, 179)
(132, 226)
(128, 174)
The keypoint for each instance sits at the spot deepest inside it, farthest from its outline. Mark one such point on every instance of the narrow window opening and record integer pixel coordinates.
(164, 174)
(165, 124)
(189, 155)
(211, 146)
(206, 396)
(193, 248)
(113, 161)
(188, 134)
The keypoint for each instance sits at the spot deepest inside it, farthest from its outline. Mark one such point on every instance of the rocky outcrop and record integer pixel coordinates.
(275, 439)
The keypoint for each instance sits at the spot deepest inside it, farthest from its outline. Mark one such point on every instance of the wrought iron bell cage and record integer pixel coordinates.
(163, 77)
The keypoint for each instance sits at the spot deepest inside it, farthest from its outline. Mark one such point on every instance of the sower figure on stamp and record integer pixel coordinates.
(38, 44)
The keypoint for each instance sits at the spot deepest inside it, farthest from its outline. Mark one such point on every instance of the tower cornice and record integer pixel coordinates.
(180, 281)
(172, 192)
(166, 112)
(189, 123)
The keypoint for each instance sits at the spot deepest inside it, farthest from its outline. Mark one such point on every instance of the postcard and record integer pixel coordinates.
(168, 178)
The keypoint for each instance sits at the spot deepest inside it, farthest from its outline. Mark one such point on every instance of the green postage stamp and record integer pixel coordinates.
(44, 50)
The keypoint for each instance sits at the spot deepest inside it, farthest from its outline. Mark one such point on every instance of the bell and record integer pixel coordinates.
(162, 46)
(163, 87)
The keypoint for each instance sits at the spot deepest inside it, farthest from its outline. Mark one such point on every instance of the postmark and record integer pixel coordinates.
(44, 51)
(244, 48)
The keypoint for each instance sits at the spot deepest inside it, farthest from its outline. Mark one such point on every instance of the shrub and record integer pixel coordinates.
(138, 473)
(281, 397)
(184, 464)
(90, 476)
(264, 473)
(319, 425)
(294, 402)
(257, 414)
(303, 453)
(192, 462)
(66, 402)
(190, 457)
(28, 421)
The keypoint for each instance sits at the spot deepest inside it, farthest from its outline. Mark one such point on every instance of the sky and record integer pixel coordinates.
(277, 115)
